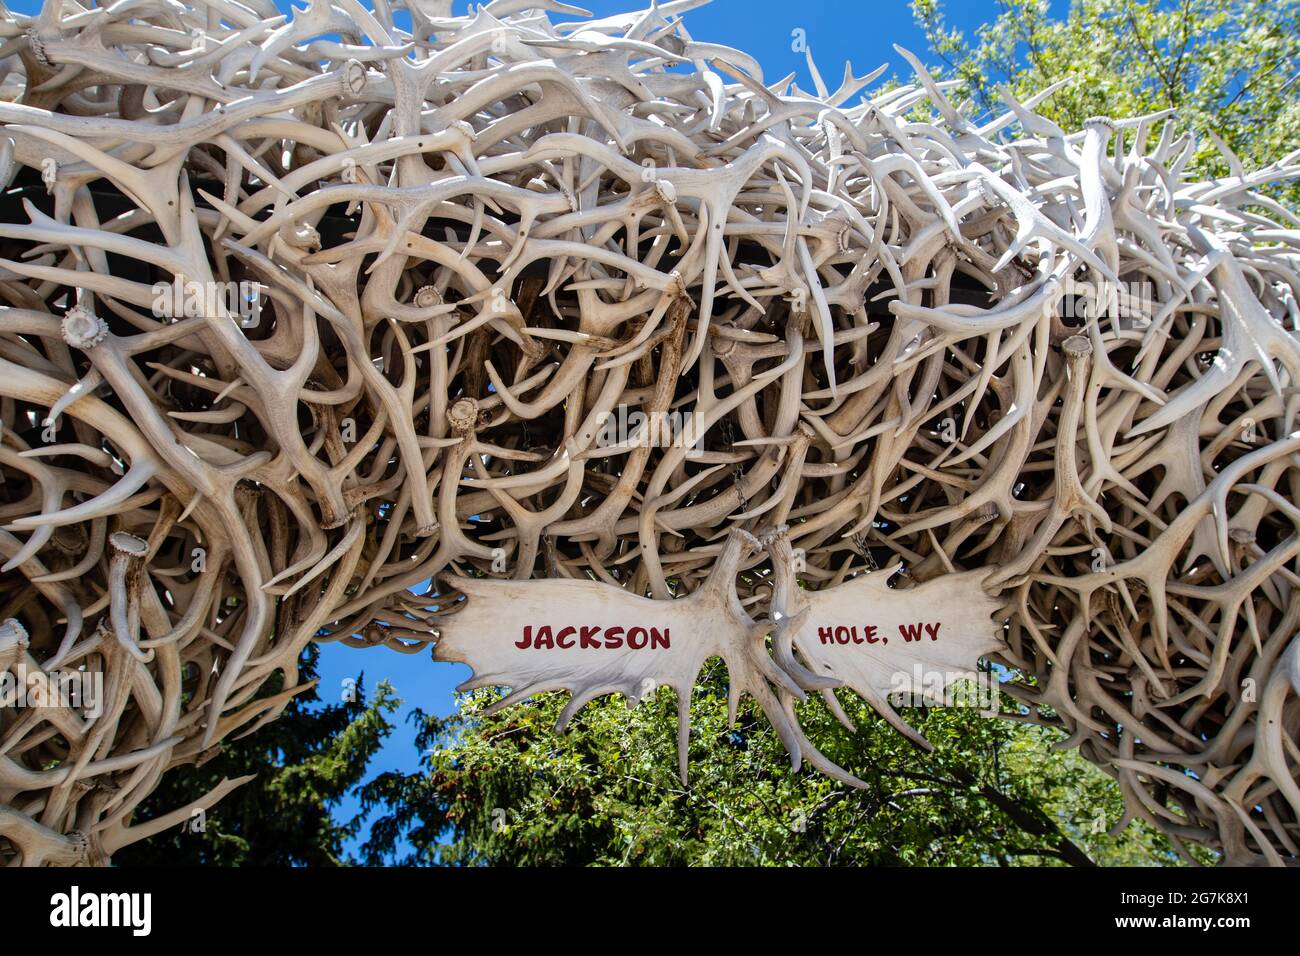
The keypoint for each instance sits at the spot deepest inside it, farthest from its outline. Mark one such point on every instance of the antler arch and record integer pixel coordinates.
(901, 337)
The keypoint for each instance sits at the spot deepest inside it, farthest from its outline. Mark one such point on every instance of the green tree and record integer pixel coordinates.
(305, 762)
(1229, 67)
(507, 789)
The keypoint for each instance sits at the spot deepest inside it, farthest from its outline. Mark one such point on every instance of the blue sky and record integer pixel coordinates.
(859, 31)
(837, 31)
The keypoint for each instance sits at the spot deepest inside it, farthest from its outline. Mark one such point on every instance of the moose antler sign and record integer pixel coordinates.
(592, 639)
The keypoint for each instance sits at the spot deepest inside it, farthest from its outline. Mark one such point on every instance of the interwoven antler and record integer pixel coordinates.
(460, 253)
